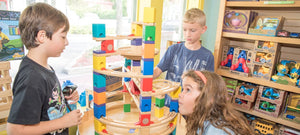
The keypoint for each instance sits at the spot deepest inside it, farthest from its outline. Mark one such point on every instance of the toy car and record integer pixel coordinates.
(283, 33)
(294, 35)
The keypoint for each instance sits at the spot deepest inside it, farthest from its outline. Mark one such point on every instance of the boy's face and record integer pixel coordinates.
(192, 32)
(57, 44)
(188, 96)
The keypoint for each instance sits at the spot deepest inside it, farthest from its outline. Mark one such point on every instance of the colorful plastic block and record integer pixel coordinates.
(149, 33)
(149, 15)
(134, 89)
(137, 42)
(175, 94)
(147, 66)
(107, 46)
(136, 63)
(99, 110)
(146, 84)
(145, 104)
(174, 106)
(99, 98)
(99, 80)
(160, 102)
(148, 50)
(145, 119)
(126, 107)
(137, 29)
(159, 112)
(98, 30)
(99, 126)
(99, 62)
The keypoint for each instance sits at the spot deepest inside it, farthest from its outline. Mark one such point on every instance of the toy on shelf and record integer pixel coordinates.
(228, 61)
(241, 64)
(287, 73)
(264, 127)
(283, 33)
(295, 73)
(267, 106)
(270, 93)
(245, 91)
(238, 20)
(294, 35)
(266, 25)
(292, 110)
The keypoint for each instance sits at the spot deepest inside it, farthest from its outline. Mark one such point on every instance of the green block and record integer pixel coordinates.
(160, 102)
(149, 33)
(126, 107)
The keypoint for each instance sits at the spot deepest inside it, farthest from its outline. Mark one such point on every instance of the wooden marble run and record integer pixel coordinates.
(5, 93)
(139, 115)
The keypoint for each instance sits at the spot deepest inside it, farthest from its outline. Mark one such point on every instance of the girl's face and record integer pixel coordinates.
(188, 96)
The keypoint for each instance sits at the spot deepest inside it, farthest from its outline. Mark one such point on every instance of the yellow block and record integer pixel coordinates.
(99, 62)
(136, 29)
(149, 15)
(159, 112)
(175, 94)
(99, 126)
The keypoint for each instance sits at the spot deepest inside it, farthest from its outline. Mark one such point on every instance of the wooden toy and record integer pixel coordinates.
(149, 15)
(266, 25)
(5, 94)
(98, 30)
(238, 20)
(137, 29)
(138, 115)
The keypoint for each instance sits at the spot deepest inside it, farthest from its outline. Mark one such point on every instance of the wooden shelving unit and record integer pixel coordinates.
(291, 11)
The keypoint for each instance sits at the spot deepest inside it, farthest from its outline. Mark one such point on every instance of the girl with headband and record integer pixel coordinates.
(203, 101)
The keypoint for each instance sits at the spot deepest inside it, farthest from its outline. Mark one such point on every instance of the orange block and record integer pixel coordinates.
(99, 98)
(148, 50)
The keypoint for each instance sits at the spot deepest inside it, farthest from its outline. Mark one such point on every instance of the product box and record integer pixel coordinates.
(271, 95)
(246, 92)
(268, 108)
(11, 46)
(227, 57)
(238, 21)
(242, 103)
(292, 108)
(242, 63)
(266, 25)
(266, 46)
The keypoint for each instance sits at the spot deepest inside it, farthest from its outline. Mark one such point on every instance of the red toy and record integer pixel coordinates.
(241, 64)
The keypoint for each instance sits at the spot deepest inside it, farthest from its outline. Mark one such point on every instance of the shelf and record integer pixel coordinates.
(255, 4)
(259, 81)
(277, 120)
(285, 40)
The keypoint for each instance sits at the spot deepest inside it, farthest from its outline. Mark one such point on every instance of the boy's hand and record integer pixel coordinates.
(74, 97)
(73, 118)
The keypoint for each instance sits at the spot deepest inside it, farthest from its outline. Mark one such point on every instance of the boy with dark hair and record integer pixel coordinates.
(39, 105)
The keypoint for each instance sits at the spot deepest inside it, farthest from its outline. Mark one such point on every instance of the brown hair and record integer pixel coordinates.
(212, 105)
(40, 16)
(195, 15)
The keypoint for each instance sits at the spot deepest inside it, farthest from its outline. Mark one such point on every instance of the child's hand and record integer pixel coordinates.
(74, 97)
(73, 118)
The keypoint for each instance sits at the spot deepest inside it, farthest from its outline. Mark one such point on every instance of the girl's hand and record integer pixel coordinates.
(74, 97)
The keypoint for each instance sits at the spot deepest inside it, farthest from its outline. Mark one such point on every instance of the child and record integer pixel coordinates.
(39, 105)
(189, 54)
(204, 103)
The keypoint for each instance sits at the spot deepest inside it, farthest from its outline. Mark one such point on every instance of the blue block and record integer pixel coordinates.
(147, 66)
(136, 63)
(174, 106)
(99, 80)
(145, 104)
(149, 42)
(126, 79)
(99, 110)
(137, 42)
(98, 30)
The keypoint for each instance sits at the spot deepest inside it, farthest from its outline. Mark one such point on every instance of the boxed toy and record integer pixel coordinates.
(242, 103)
(227, 57)
(231, 85)
(266, 46)
(268, 108)
(262, 71)
(11, 46)
(242, 63)
(238, 21)
(246, 92)
(266, 25)
(292, 108)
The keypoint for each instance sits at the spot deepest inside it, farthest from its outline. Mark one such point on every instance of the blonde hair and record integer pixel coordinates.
(212, 105)
(195, 15)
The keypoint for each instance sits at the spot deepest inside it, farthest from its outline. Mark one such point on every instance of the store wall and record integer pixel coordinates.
(211, 9)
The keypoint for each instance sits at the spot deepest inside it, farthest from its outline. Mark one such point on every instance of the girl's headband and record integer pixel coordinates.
(201, 76)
